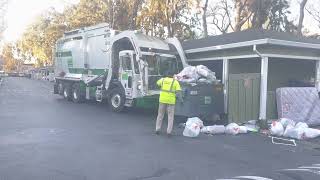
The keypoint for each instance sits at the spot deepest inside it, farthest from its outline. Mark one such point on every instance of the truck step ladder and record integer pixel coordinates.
(99, 95)
(129, 103)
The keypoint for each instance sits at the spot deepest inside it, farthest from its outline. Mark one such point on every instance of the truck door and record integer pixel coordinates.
(126, 73)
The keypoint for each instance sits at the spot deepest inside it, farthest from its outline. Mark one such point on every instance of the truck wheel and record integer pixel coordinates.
(67, 93)
(117, 100)
(77, 97)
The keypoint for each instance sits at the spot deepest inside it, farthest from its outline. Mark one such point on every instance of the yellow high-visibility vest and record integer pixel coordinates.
(169, 87)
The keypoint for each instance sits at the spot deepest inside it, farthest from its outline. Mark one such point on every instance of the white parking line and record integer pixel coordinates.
(314, 168)
(304, 170)
(253, 177)
(309, 167)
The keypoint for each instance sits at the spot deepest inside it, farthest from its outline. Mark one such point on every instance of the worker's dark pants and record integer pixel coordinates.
(161, 112)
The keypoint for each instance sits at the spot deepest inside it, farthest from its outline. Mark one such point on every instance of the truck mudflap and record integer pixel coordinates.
(55, 88)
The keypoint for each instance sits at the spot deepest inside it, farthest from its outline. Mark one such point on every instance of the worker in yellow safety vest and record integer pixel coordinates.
(167, 100)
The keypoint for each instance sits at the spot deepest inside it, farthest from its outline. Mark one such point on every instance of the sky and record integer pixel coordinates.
(22, 13)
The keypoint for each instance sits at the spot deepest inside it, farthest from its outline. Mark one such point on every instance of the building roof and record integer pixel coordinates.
(244, 36)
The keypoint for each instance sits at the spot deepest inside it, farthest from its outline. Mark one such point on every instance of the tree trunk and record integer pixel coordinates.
(238, 23)
(301, 16)
(204, 19)
(110, 13)
(135, 7)
(168, 16)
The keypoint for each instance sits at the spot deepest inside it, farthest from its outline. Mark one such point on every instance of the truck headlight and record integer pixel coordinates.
(139, 87)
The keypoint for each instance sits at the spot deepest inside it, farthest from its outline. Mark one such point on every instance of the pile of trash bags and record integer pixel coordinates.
(194, 74)
(288, 128)
(194, 126)
(282, 127)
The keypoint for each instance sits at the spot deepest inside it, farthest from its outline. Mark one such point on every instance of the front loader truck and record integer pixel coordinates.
(102, 64)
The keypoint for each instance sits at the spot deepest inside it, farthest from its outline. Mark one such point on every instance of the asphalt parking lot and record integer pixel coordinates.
(43, 136)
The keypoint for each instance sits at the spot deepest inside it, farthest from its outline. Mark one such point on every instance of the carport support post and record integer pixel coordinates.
(225, 80)
(263, 88)
(318, 75)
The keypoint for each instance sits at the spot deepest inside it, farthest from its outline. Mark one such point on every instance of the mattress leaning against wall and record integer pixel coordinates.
(301, 104)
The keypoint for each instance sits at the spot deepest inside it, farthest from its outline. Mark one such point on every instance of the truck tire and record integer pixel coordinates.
(67, 93)
(117, 100)
(77, 96)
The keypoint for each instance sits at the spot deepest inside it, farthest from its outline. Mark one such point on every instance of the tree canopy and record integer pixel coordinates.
(185, 19)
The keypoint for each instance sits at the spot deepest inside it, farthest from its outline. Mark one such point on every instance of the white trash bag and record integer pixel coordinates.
(285, 122)
(301, 125)
(301, 133)
(243, 130)
(202, 70)
(194, 120)
(206, 72)
(276, 128)
(215, 129)
(295, 133)
(191, 130)
(232, 128)
(310, 133)
(188, 73)
(290, 131)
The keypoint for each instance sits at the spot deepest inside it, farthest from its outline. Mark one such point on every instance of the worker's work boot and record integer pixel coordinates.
(157, 132)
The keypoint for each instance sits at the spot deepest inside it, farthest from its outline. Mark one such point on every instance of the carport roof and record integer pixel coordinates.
(245, 36)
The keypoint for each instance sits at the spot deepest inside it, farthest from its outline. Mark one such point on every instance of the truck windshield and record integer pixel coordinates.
(161, 65)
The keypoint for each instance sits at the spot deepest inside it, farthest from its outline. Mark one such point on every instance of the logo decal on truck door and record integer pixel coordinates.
(125, 76)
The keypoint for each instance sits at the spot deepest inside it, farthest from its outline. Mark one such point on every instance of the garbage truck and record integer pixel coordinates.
(102, 64)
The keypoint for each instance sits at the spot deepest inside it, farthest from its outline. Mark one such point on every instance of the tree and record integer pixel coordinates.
(314, 11)
(39, 39)
(260, 11)
(301, 16)
(86, 13)
(278, 17)
(220, 15)
(168, 18)
(242, 13)
(237, 15)
(136, 6)
(121, 15)
(231, 14)
(10, 64)
(204, 18)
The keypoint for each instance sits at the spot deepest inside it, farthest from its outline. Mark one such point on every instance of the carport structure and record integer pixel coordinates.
(252, 64)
